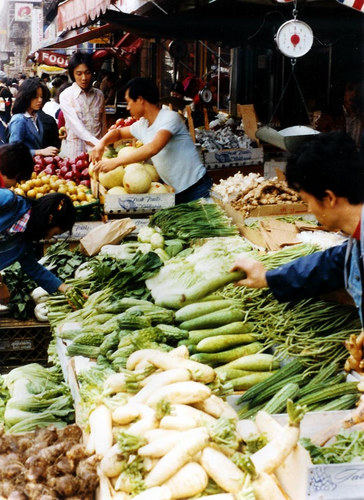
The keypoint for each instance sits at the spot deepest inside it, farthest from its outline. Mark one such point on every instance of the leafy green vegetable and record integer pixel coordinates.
(347, 447)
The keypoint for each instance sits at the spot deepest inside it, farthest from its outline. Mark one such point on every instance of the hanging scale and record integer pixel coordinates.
(294, 38)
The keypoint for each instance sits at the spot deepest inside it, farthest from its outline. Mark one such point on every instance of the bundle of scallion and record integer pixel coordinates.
(196, 219)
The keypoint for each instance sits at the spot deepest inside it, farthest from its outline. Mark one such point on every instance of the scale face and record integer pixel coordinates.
(205, 95)
(294, 38)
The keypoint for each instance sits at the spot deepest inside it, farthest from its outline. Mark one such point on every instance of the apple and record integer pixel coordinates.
(86, 182)
(63, 170)
(49, 170)
(84, 172)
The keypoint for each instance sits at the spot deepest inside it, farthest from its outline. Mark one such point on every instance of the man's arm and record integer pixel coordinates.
(139, 154)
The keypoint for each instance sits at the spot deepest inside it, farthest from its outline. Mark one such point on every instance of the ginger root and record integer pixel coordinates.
(355, 347)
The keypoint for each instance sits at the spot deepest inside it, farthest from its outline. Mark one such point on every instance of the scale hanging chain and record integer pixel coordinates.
(293, 74)
(280, 99)
(293, 63)
(295, 10)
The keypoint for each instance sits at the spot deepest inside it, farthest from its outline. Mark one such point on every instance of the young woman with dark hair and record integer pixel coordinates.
(83, 107)
(28, 124)
(24, 221)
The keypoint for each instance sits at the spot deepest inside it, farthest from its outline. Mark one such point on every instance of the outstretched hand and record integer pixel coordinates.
(255, 272)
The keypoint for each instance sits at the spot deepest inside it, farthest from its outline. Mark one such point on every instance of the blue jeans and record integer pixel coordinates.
(201, 189)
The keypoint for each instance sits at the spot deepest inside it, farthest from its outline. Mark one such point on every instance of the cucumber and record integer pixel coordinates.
(214, 319)
(230, 373)
(248, 381)
(223, 342)
(278, 403)
(195, 336)
(200, 308)
(221, 358)
(259, 362)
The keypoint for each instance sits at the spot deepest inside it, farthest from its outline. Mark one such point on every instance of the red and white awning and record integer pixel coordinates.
(75, 13)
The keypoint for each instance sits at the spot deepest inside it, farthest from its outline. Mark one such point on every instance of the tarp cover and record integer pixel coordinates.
(74, 13)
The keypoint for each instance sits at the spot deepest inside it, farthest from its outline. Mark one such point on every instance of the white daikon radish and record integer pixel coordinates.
(104, 490)
(101, 429)
(273, 454)
(295, 485)
(183, 453)
(165, 443)
(180, 352)
(179, 410)
(156, 493)
(219, 496)
(125, 414)
(178, 423)
(160, 380)
(216, 407)
(247, 429)
(265, 487)
(115, 383)
(160, 359)
(156, 434)
(190, 480)
(112, 464)
(180, 392)
(222, 470)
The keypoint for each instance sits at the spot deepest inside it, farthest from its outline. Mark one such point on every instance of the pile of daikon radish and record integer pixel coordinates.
(175, 454)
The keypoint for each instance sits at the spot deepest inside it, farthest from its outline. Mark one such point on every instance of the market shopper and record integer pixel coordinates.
(24, 221)
(83, 107)
(165, 139)
(329, 176)
(16, 164)
(28, 123)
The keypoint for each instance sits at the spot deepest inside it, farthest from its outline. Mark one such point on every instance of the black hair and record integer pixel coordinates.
(49, 211)
(28, 91)
(79, 58)
(57, 82)
(59, 91)
(16, 161)
(329, 161)
(142, 87)
(178, 87)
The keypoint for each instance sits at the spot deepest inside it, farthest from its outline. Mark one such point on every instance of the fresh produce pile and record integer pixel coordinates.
(122, 122)
(225, 133)
(135, 178)
(164, 434)
(48, 463)
(75, 169)
(245, 193)
(35, 396)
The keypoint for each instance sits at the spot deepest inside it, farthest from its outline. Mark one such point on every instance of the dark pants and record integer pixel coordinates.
(201, 189)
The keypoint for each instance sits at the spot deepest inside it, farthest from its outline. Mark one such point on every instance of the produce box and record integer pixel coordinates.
(23, 342)
(261, 211)
(88, 211)
(232, 157)
(146, 203)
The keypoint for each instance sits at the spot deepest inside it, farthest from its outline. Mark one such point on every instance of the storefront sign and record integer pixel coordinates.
(52, 59)
(37, 28)
(23, 12)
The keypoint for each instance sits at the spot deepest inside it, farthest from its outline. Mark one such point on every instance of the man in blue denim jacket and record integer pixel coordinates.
(329, 175)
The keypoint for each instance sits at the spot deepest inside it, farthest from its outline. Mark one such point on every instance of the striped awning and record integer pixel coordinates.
(75, 13)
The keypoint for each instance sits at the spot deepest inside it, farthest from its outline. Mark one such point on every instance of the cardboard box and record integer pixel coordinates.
(232, 157)
(115, 204)
(137, 203)
(262, 211)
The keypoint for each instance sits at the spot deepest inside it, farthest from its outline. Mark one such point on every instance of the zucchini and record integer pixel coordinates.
(221, 358)
(260, 362)
(278, 402)
(88, 351)
(223, 342)
(236, 327)
(200, 308)
(292, 368)
(88, 338)
(213, 319)
(248, 381)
